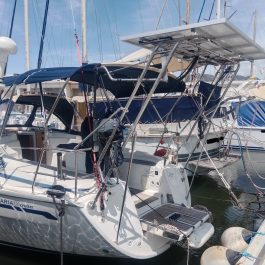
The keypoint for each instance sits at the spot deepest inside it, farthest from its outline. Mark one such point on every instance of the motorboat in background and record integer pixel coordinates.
(134, 207)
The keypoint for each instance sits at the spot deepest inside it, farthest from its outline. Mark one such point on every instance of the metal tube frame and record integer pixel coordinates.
(46, 131)
(7, 111)
(158, 79)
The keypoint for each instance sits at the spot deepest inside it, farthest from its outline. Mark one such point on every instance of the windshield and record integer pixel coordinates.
(19, 114)
(25, 115)
(3, 109)
(54, 122)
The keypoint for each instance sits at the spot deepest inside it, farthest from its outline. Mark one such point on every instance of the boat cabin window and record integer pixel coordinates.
(25, 115)
(19, 114)
(54, 122)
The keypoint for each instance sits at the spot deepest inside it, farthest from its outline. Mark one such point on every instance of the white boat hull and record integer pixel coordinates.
(31, 220)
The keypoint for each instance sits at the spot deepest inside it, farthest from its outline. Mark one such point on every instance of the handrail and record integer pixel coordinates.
(46, 131)
(126, 185)
(7, 111)
(148, 98)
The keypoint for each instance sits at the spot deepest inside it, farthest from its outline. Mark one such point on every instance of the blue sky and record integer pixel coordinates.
(107, 21)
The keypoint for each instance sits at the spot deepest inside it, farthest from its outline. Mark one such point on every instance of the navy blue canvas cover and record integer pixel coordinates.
(250, 113)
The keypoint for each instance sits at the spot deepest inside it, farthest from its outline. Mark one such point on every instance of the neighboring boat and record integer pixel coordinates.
(134, 204)
(169, 127)
(246, 120)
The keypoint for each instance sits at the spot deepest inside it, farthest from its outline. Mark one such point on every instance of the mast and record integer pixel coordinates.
(218, 9)
(187, 11)
(225, 6)
(254, 39)
(26, 30)
(84, 33)
(179, 12)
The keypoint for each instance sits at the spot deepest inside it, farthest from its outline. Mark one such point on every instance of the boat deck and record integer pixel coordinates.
(173, 221)
(18, 176)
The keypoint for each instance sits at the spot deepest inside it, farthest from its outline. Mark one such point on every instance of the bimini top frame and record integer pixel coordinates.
(117, 78)
(215, 41)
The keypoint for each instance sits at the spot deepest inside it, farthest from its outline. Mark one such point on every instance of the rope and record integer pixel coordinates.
(248, 255)
(72, 12)
(79, 57)
(245, 167)
(211, 10)
(161, 13)
(99, 35)
(259, 233)
(96, 168)
(61, 213)
(199, 18)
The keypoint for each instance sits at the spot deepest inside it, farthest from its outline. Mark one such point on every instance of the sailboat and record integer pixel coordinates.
(171, 123)
(133, 207)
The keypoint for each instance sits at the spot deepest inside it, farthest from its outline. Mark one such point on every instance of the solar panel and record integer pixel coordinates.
(216, 41)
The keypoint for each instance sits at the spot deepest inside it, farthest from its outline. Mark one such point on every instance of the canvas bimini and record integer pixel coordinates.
(131, 204)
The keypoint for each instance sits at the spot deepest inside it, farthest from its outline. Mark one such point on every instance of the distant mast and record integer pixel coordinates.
(218, 9)
(26, 30)
(84, 35)
(254, 39)
(187, 12)
(179, 12)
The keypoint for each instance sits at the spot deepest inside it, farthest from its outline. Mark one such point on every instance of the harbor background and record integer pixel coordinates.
(207, 191)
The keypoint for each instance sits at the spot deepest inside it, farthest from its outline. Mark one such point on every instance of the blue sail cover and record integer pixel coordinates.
(206, 89)
(185, 109)
(250, 113)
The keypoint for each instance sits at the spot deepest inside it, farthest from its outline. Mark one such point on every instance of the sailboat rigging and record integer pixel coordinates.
(142, 199)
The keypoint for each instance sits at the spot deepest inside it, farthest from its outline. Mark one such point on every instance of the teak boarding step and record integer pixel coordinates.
(173, 221)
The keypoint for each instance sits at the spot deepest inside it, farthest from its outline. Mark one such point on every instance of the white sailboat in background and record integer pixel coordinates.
(245, 110)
